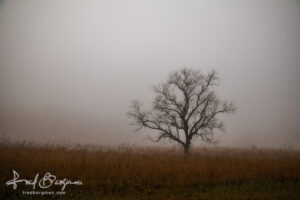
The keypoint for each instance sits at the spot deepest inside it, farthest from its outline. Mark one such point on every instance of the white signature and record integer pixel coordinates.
(45, 182)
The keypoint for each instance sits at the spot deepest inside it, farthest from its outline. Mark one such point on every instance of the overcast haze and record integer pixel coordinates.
(69, 69)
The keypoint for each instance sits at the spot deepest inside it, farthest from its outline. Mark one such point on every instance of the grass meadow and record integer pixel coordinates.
(129, 172)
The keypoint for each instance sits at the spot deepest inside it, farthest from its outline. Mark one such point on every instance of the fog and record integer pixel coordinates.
(69, 69)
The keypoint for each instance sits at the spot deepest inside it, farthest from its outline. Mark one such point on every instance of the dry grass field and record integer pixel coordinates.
(154, 173)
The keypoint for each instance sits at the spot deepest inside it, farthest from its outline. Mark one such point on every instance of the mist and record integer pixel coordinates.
(69, 69)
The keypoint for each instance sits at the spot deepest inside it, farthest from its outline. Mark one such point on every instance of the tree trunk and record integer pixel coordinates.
(186, 149)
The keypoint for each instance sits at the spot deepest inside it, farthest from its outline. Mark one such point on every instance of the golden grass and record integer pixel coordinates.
(115, 168)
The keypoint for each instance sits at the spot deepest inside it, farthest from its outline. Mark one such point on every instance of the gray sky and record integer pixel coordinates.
(69, 69)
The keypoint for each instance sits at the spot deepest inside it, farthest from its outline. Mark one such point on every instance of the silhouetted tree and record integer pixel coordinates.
(185, 107)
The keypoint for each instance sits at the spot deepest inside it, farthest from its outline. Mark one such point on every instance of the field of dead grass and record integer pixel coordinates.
(130, 172)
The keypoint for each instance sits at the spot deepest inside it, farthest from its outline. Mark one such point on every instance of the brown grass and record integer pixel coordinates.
(153, 167)
(111, 169)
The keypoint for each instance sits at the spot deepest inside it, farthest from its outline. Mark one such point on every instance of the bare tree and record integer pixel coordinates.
(185, 107)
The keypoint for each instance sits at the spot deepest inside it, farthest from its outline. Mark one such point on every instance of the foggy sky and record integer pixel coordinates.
(69, 69)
